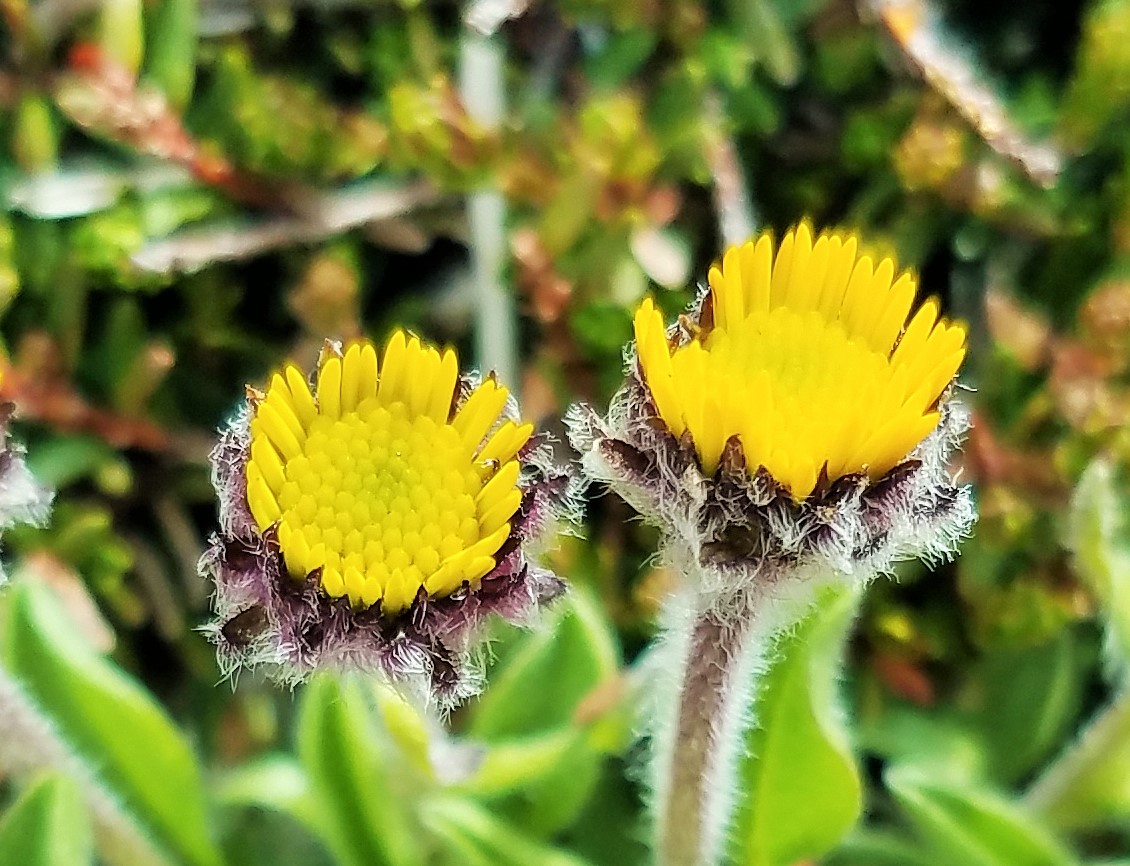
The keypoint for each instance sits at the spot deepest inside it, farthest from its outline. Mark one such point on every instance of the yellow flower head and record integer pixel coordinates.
(809, 360)
(374, 483)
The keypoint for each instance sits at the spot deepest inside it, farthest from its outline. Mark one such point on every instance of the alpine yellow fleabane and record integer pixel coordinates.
(373, 479)
(810, 360)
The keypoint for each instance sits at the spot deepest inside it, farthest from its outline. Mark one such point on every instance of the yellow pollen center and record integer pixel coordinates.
(809, 361)
(370, 482)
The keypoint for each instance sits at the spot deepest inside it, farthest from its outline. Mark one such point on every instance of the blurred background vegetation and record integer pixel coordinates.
(195, 191)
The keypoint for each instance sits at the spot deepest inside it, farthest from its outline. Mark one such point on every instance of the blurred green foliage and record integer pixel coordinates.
(194, 192)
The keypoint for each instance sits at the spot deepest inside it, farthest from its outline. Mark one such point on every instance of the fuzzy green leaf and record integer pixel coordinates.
(513, 765)
(1096, 535)
(171, 45)
(111, 722)
(799, 789)
(275, 782)
(274, 810)
(47, 826)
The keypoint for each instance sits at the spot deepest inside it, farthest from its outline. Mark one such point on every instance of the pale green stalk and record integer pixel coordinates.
(481, 88)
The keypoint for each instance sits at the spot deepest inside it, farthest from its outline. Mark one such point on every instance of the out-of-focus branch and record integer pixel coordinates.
(45, 395)
(915, 27)
(324, 215)
(732, 202)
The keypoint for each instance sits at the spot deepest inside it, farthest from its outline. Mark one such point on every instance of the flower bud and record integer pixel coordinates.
(373, 517)
(797, 421)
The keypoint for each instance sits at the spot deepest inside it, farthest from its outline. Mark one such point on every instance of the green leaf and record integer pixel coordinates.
(477, 836)
(762, 24)
(276, 814)
(539, 685)
(121, 34)
(1096, 536)
(936, 740)
(619, 58)
(601, 328)
(47, 826)
(35, 136)
(406, 725)
(110, 721)
(1089, 785)
(63, 460)
(800, 789)
(612, 827)
(274, 782)
(266, 837)
(172, 34)
(876, 848)
(536, 691)
(1030, 698)
(972, 826)
(364, 794)
(513, 765)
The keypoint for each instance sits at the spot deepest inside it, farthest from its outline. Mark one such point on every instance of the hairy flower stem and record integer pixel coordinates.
(696, 757)
(706, 687)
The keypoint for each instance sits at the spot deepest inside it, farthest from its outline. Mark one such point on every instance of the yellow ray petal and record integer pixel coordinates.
(840, 267)
(329, 388)
(479, 567)
(797, 295)
(279, 397)
(475, 418)
(501, 511)
(504, 479)
(425, 366)
(350, 381)
(728, 307)
(267, 462)
(260, 499)
(443, 390)
(506, 442)
(301, 398)
(757, 274)
(270, 423)
(367, 373)
(393, 370)
(893, 315)
(782, 266)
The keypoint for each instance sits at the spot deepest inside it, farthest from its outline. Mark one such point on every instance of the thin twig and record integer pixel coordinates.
(917, 29)
(325, 216)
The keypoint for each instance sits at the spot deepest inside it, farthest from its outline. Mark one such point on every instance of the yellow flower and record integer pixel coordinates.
(375, 483)
(809, 360)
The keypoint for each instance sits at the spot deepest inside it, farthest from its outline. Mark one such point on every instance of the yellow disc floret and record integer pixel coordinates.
(809, 360)
(372, 480)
